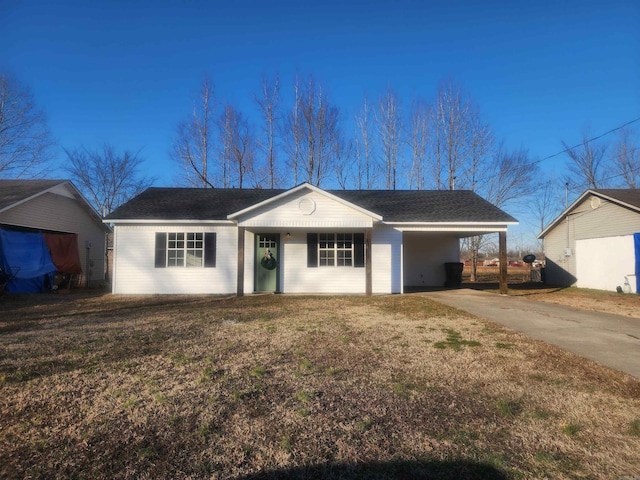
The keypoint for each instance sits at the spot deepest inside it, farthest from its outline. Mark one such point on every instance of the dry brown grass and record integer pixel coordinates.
(281, 387)
(627, 305)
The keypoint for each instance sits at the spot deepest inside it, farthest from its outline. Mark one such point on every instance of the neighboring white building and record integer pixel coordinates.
(301, 240)
(591, 243)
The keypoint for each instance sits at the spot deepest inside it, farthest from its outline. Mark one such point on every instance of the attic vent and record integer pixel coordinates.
(595, 202)
(307, 206)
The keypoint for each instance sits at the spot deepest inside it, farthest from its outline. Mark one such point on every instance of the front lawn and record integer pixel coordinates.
(286, 386)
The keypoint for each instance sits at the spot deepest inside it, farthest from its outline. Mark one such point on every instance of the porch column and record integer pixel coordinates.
(502, 245)
(367, 261)
(240, 287)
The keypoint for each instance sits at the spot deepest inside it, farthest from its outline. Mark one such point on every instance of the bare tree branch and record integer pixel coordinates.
(450, 132)
(25, 139)
(626, 158)
(418, 140)
(364, 148)
(237, 148)
(268, 103)
(192, 143)
(107, 178)
(389, 125)
(586, 163)
(312, 132)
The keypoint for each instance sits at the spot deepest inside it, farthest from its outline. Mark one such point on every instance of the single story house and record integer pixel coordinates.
(595, 242)
(48, 226)
(301, 240)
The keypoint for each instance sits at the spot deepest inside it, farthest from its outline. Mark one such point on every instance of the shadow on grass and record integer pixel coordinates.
(42, 307)
(440, 470)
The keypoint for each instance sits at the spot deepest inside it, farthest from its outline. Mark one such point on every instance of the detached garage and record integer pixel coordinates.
(595, 242)
(47, 227)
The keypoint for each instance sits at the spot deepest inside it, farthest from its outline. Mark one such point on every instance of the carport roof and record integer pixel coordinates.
(428, 206)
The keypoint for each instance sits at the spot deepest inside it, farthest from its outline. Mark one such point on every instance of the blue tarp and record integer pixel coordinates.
(24, 257)
(636, 243)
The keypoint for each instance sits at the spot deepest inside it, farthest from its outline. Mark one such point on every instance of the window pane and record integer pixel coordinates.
(344, 240)
(345, 258)
(194, 240)
(327, 240)
(194, 258)
(175, 258)
(327, 258)
(176, 240)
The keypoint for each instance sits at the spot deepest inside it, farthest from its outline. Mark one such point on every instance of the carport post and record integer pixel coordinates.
(502, 245)
(240, 287)
(367, 261)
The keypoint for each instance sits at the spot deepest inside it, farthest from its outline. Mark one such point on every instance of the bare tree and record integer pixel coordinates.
(344, 165)
(225, 146)
(292, 133)
(363, 148)
(25, 139)
(480, 149)
(237, 150)
(107, 177)
(268, 103)
(586, 162)
(479, 173)
(450, 135)
(510, 176)
(418, 139)
(193, 142)
(389, 126)
(626, 158)
(507, 178)
(545, 204)
(319, 132)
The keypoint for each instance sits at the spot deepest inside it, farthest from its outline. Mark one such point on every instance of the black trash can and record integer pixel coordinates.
(453, 272)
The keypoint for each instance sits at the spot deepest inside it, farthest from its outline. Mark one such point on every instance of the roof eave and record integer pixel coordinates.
(450, 223)
(453, 227)
(160, 221)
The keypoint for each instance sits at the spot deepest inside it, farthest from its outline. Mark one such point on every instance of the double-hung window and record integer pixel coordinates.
(185, 249)
(335, 250)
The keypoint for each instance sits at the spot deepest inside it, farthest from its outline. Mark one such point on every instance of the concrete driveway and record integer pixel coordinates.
(610, 340)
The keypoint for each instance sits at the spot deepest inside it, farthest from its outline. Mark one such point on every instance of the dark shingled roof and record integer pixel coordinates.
(624, 195)
(14, 191)
(393, 205)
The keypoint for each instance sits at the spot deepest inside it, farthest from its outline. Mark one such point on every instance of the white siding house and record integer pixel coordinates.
(302, 240)
(591, 243)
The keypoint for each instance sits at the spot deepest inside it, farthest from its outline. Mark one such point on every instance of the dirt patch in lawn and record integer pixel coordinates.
(284, 387)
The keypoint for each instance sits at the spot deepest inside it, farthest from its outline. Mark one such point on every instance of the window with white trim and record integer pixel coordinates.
(335, 250)
(185, 249)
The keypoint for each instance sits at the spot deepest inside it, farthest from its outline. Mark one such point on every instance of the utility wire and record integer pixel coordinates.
(590, 140)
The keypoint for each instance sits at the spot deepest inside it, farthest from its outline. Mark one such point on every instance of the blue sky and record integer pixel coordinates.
(126, 72)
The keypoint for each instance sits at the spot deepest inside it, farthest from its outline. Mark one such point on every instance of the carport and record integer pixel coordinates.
(426, 249)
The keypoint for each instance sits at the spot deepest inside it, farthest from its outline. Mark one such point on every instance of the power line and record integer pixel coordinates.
(590, 140)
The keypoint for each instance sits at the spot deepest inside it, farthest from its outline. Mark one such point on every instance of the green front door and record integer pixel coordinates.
(267, 262)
